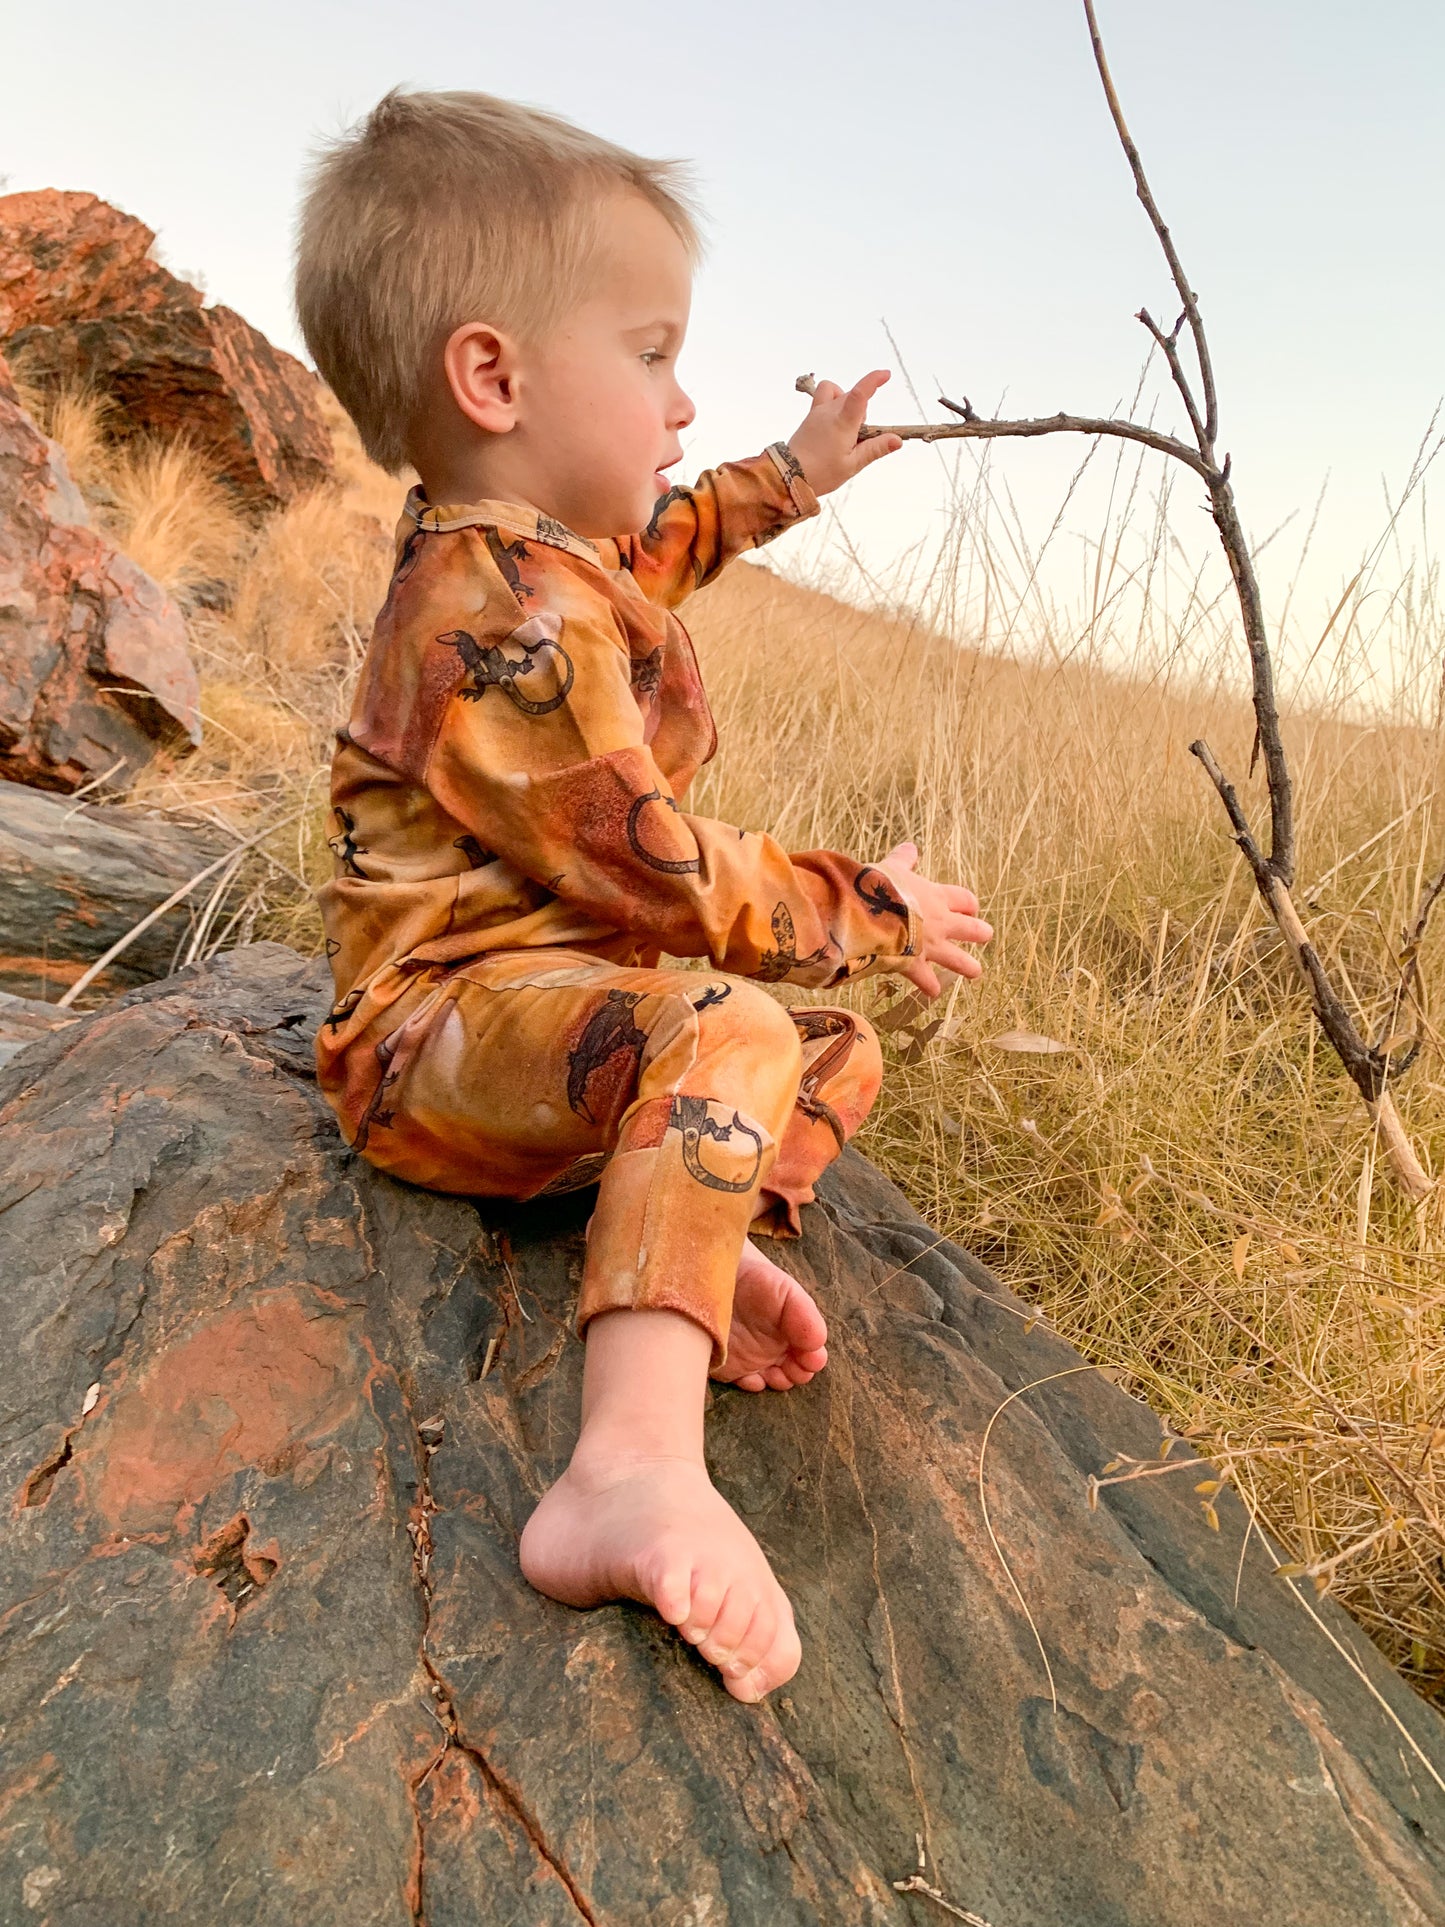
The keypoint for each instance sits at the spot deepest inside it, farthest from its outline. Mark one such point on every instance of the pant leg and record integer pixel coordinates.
(842, 1072)
(509, 1074)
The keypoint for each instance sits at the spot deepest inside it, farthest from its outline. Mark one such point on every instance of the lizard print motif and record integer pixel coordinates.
(646, 675)
(880, 896)
(774, 965)
(507, 555)
(471, 849)
(670, 866)
(693, 1117)
(714, 994)
(608, 1031)
(490, 667)
(345, 847)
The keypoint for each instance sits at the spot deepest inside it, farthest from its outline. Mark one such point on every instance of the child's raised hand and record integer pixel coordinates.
(826, 445)
(949, 917)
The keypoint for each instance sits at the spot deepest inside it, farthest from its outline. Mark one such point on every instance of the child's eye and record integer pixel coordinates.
(650, 355)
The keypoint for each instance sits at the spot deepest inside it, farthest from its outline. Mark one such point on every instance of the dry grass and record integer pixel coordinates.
(1175, 1171)
(1132, 1117)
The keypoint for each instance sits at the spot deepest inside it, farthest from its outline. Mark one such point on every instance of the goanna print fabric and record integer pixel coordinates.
(528, 718)
(702, 1105)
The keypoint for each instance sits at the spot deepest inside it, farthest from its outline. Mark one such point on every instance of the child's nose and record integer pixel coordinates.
(683, 412)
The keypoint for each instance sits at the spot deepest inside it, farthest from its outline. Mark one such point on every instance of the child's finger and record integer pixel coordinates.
(969, 930)
(903, 855)
(826, 391)
(874, 448)
(864, 389)
(952, 958)
(923, 976)
(961, 898)
(855, 402)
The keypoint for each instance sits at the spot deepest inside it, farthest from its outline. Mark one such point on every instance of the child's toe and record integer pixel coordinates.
(754, 1641)
(730, 1628)
(671, 1590)
(702, 1612)
(801, 1323)
(777, 1665)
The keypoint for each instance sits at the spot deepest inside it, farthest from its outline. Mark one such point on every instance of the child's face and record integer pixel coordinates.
(600, 411)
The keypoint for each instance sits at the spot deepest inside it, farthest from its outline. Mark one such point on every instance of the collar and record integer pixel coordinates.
(531, 524)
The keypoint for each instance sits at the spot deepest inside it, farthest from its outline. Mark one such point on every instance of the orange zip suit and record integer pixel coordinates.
(512, 861)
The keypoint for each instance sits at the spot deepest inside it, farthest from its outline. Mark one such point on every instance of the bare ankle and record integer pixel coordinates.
(604, 1458)
(644, 1387)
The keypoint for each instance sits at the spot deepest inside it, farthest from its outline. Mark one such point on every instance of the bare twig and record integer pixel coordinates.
(1414, 937)
(980, 428)
(1370, 1066)
(1156, 221)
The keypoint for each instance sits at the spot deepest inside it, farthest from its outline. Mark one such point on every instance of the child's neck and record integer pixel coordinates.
(491, 472)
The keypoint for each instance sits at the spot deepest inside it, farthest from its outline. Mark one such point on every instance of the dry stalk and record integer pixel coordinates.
(1372, 1067)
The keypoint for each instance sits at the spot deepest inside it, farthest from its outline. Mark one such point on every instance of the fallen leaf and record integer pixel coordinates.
(1241, 1253)
(1030, 1043)
(907, 1010)
(92, 1399)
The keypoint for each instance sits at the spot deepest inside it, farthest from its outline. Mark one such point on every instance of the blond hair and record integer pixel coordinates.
(441, 208)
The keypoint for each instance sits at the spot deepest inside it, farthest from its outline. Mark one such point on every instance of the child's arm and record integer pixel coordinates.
(695, 531)
(565, 788)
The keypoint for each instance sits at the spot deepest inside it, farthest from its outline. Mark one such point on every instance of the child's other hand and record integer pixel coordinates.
(949, 917)
(826, 445)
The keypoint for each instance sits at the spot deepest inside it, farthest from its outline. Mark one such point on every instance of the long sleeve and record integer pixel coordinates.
(540, 753)
(696, 531)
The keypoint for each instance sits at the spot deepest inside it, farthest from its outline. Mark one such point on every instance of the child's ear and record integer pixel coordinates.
(480, 367)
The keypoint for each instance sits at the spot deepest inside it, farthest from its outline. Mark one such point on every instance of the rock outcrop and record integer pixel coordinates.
(83, 301)
(76, 877)
(95, 672)
(274, 1422)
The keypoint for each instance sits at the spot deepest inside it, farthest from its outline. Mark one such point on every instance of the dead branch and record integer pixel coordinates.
(1370, 1066)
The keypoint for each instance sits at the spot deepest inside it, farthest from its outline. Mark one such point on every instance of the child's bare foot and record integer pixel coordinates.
(778, 1338)
(656, 1530)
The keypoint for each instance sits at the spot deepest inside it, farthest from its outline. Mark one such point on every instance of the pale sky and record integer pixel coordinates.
(945, 167)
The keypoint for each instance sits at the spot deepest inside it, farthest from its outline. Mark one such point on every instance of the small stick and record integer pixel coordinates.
(974, 427)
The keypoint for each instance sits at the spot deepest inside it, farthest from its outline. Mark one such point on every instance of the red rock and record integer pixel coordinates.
(69, 257)
(95, 673)
(81, 299)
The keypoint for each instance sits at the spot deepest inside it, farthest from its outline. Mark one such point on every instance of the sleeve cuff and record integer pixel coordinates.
(804, 501)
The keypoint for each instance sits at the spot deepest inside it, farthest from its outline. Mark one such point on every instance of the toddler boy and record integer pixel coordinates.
(499, 298)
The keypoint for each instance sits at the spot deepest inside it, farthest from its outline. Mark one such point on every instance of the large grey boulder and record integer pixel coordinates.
(272, 1424)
